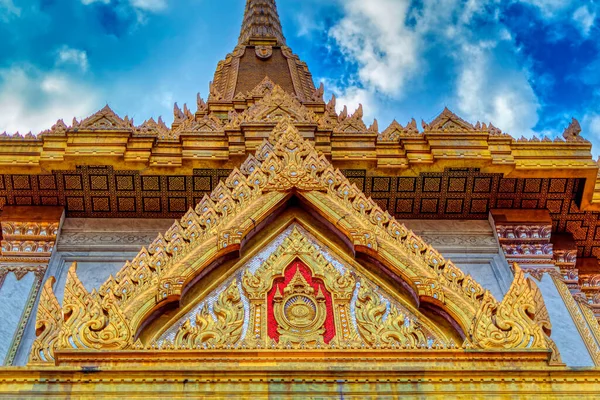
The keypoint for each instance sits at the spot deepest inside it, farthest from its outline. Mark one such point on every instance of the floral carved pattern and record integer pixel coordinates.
(208, 331)
(283, 165)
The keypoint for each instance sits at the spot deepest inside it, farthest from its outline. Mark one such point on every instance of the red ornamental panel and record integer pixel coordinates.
(279, 286)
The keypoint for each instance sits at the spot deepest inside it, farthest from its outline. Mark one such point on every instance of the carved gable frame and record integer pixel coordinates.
(284, 166)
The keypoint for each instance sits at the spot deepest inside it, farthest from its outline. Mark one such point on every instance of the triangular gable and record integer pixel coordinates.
(447, 121)
(256, 303)
(105, 120)
(286, 165)
(395, 131)
(276, 104)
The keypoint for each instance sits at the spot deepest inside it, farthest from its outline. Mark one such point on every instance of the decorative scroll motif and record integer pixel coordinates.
(85, 321)
(91, 322)
(208, 331)
(512, 324)
(285, 163)
(395, 329)
(47, 325)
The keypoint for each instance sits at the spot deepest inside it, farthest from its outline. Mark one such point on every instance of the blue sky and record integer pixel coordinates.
(527, 66)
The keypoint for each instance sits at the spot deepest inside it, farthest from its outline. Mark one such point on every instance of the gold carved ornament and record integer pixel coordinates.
(395, 329)
(46, 325)
(208, 331)
(85, 321)
(510, 324)
(285, 163)
(299, 312)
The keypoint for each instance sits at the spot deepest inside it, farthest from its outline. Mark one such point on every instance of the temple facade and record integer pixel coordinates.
(268, 245)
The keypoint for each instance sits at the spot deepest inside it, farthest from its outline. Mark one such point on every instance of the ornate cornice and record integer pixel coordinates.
(285, 164)
(200, 140)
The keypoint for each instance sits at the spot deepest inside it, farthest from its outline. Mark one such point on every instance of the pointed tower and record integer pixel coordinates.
(261, 24)
(261, 52)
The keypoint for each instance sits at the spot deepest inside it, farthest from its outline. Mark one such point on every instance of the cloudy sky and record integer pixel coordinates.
(527, 66)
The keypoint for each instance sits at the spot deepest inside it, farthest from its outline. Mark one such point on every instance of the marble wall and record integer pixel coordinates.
(14, 296)
(472, 246)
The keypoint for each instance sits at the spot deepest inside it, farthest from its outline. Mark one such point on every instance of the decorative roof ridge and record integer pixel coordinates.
(395, 131)
(29, 136)
(285, 162)
(353, 123)
(274, 100)
(447, 121)
(572, 133)
(150, 127)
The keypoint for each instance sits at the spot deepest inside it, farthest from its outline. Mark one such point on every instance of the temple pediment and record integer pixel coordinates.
(105, 119)
(276, 105)
(287, 169)
(297, 292)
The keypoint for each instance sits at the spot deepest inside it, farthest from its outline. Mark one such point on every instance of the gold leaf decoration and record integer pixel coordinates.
(90, 321)
(512, 323)
(225, 329)
(373, 329)
(85, 321)
(48, 320)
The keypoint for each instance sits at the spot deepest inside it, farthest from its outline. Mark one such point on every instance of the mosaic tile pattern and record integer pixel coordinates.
(101, 192)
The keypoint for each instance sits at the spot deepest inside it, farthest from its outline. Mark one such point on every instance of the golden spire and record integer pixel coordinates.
(261, 24)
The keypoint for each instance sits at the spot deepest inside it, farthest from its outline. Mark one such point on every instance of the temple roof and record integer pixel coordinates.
(261, 21)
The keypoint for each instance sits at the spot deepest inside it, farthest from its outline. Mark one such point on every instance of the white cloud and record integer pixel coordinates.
(550, 8)
(352, 97)
(488, 92)
(88, 2)
(307, 24)
(584, 19)
(8, 10)
(390, 42)
(149, 5)
(33, 100)
(67, 55)
(374, 35)
(143, 5)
